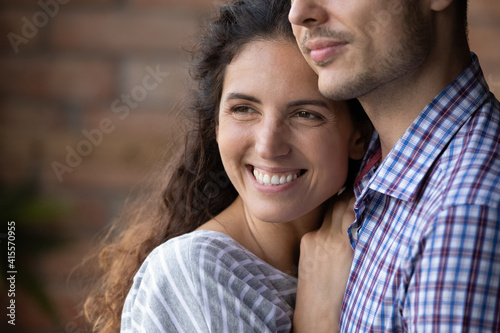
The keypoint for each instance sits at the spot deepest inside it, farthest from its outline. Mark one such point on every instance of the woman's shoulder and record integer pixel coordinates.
(197, 245)
(172, 279)
(181, 261)
(212, 253)
(205, 273)
(196, 252)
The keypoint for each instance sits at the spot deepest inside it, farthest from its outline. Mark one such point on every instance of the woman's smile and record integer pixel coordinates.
(269, 178)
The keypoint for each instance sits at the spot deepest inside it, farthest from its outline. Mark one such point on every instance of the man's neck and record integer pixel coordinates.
(394, 106)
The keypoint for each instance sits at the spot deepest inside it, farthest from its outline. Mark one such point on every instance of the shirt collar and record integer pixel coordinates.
(401, 173)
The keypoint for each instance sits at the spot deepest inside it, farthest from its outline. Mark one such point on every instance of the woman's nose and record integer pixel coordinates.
(307, 13)
(272, 139)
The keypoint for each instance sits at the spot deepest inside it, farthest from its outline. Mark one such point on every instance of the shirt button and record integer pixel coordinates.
(355, 233)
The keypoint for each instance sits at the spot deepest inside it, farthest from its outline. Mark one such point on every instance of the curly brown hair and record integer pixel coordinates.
(192, 187)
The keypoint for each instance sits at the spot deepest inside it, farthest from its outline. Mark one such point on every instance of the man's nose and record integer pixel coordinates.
(307, 13)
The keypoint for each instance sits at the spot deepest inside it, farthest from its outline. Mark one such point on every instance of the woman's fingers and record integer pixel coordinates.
(339, 216)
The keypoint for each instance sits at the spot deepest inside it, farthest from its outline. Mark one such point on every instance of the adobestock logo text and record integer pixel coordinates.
(48, 9)
(120, 106)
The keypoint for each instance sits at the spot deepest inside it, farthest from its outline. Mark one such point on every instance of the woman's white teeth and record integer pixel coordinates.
(266, 179)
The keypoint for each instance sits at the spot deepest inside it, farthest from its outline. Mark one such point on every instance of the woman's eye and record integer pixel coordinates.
(243, 112)
(242, 109)
(307, 115)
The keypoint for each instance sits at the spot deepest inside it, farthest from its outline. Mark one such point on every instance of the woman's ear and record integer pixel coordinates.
(360, 139)
(440, 5)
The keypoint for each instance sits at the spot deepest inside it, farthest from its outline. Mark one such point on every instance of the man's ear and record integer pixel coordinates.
(440, 5)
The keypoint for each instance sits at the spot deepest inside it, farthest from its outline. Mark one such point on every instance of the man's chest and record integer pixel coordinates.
(388, 246)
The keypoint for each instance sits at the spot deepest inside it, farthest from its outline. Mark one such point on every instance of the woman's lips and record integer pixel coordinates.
(271, 179)
(275, 181)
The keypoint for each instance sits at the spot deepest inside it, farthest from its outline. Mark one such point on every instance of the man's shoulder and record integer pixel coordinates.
(468, 171)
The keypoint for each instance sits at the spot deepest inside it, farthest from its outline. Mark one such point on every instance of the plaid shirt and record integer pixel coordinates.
(427, 233)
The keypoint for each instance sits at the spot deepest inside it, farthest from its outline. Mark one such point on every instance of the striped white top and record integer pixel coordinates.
(204, 281)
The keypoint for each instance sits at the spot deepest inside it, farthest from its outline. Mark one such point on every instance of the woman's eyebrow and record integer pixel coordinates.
(314, 102)
(301, 102)
(231, 96)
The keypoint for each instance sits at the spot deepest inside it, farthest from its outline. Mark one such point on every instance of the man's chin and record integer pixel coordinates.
(334, 88)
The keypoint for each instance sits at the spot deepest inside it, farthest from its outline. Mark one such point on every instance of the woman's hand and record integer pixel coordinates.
(324, 266)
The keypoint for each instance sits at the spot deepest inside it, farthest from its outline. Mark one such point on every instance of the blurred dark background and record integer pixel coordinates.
(89, 91)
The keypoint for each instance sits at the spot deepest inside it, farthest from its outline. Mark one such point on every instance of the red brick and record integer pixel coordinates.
(64, 78)
(24, 128)
(92, 214)
(91, 174)
(168, 91)
(15, 38)
(117, 32)
(120, 160)
(36, 118)
(35, 6)
(18, 155)
(195, 5)
(91, 3)
(151, 122)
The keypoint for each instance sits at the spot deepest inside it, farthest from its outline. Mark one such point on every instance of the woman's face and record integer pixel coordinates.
(284, 146)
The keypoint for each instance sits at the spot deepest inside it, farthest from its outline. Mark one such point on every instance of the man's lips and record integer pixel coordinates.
(321, 51)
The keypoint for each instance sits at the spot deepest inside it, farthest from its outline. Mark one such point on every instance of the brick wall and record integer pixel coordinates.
(114, 71)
